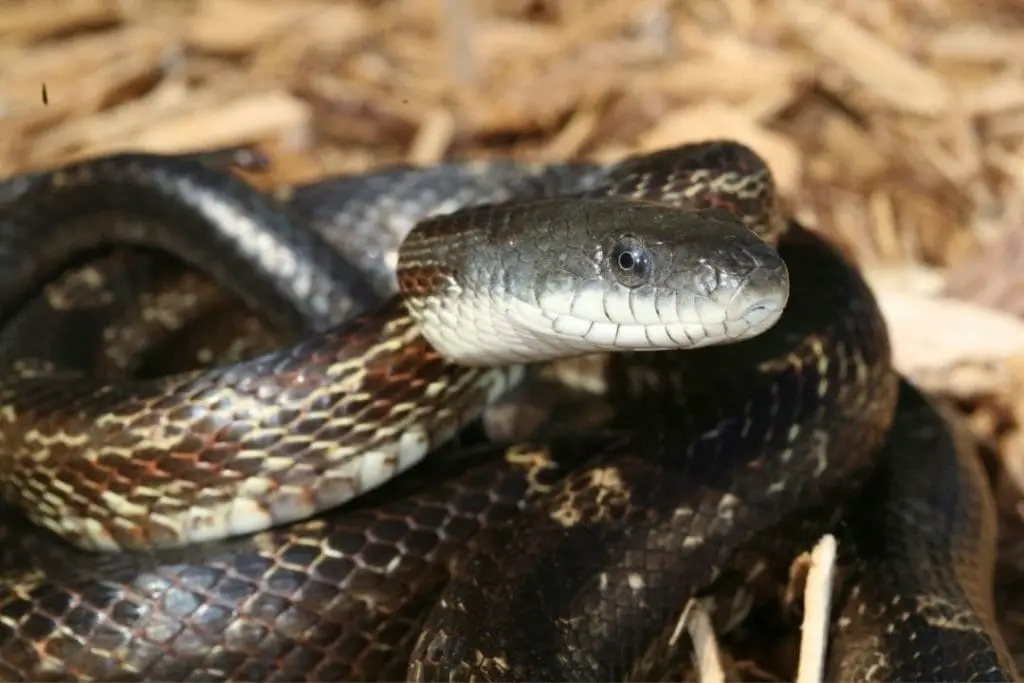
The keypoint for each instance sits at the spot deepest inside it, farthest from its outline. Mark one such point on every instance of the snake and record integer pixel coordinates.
(555, 592)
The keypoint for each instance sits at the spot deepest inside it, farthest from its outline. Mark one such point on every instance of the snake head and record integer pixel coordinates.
(547, 279)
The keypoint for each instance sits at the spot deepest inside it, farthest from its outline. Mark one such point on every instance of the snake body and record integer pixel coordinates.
(336, 598)
(285, 435)
(818, 399)
(609, 560)
(151, 313)
(919, 547)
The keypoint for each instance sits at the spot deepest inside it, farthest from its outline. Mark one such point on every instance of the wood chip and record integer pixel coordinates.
(215, 26)
(930, 334)
(191, 123)
(902, 83)
(817, 611)
(81, 74)
(434, 138)
(42, 18)
(977, 43)
(716, 120)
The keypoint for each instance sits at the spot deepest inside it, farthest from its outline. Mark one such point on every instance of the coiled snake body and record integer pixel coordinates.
(710, 452)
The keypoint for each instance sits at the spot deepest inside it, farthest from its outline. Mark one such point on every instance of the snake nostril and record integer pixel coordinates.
(762, 297)
(757, 313)
(768, 306)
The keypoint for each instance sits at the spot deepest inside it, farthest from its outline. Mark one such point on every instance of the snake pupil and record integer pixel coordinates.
(630, 258)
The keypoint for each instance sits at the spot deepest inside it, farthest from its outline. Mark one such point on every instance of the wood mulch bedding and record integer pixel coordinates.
(896, 127)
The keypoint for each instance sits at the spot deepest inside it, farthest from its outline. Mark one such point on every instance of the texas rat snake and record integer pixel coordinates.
(818, 398)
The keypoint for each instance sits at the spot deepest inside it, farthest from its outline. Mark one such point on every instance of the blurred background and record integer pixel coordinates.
(895, 126)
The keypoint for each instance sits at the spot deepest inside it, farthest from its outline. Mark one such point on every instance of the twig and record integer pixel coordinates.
(817, 606)
(458, 27)
(697, 621)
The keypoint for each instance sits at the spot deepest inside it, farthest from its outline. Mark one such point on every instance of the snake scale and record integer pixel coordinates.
(561, 558)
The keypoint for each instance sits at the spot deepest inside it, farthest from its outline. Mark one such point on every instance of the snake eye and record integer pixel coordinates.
(630, 261)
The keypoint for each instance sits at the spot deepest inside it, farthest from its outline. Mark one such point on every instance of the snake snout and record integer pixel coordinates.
(759, 299)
